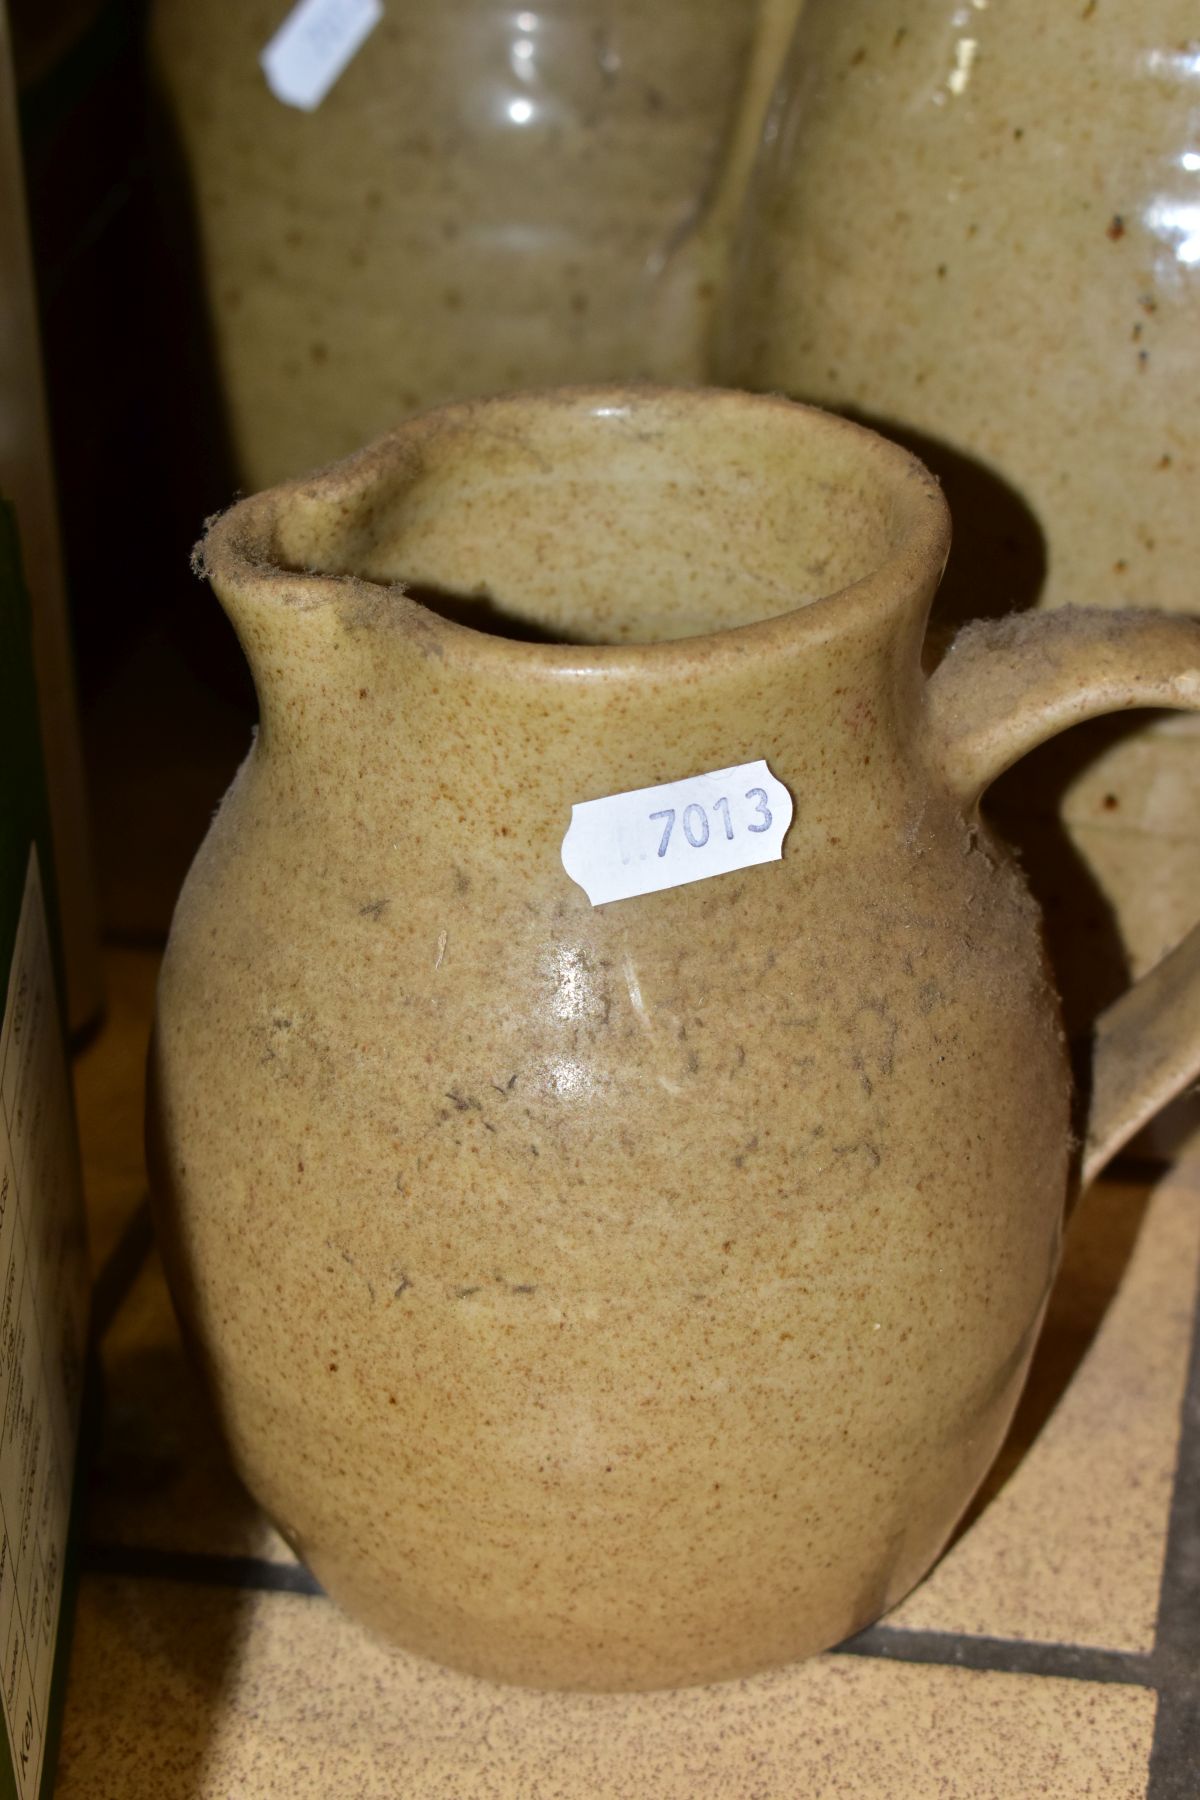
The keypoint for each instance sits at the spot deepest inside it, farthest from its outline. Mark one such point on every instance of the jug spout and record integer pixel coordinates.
(293, 570)
(666, 581)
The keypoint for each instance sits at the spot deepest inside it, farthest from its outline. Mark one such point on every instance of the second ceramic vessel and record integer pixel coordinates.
(487, 197)
(978, 228)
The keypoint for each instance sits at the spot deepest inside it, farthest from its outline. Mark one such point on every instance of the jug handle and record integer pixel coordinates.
(1004, 687)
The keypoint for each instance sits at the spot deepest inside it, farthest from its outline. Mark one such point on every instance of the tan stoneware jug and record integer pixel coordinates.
(628, 1294)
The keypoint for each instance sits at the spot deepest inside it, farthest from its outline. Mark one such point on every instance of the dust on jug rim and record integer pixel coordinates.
(326, 519)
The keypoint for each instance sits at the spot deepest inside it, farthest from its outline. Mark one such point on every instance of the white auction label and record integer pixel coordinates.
(313, 46)
(661, 837)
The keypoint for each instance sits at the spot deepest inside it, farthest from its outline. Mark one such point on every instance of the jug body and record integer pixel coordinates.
(608, 1296)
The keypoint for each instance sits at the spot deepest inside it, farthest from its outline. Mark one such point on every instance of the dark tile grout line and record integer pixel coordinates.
(122, 1266)
(199, 1568)
(889, 1643)
(1001, 1656)
(1175, 1751)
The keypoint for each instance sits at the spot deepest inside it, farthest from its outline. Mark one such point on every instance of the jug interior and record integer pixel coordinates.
(576, 520)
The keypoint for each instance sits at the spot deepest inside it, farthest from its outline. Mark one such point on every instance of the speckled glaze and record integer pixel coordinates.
(627, 1296)
(1027, 179)
(978, 227)
(490, 196)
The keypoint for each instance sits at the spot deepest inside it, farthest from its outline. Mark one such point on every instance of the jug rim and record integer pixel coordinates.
(236, 551)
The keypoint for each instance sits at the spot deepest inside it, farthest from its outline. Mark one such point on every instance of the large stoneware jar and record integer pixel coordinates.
(629, 1293)
(488, 195)
(978, 226)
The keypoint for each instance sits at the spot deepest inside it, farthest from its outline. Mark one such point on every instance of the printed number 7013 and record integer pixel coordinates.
(696, 825)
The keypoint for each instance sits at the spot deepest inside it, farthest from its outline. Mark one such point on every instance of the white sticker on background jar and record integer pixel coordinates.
(313, 45)
(653, 838)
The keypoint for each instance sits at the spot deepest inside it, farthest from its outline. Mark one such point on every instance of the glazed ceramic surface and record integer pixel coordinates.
(978, 227)
(631, 1295)
(982, 223)
(488, 197)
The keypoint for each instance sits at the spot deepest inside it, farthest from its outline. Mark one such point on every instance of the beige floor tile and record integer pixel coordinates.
(197, 1695)
(162, 1478)
(1070, 1548)
(109, 1078)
